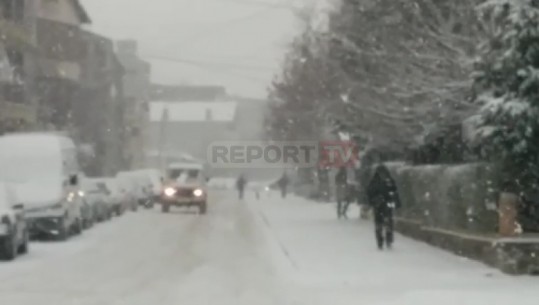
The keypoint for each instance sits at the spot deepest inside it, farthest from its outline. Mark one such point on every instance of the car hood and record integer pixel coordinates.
(189, 185)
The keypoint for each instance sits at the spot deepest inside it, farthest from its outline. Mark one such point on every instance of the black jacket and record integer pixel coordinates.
(382, 189)
(341, 178)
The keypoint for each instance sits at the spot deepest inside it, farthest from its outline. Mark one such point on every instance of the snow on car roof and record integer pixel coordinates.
(193, 111)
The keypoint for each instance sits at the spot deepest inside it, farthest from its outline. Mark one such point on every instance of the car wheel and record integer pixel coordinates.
(23, 248)
(9, 248)
(165, 208)
(203, 208)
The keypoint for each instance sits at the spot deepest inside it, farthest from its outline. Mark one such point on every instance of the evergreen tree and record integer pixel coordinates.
(508, 77)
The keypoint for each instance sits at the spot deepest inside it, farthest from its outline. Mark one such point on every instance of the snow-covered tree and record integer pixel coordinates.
(406, 62)
(301, 95)
(507, 76)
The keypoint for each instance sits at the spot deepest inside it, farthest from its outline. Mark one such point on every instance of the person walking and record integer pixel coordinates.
(240, 185)
(341, 185)
(283, 184)
(383, 197)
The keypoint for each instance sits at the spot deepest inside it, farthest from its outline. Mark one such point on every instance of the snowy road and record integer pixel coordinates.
(270, 251)
(149, 258)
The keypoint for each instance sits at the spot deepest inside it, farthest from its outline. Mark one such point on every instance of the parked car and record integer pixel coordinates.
(117, 199)
(141, 186)
(185, 187)
(130, 188)
(14, 234)
(154, 180)
(96, 197)
(45, 169)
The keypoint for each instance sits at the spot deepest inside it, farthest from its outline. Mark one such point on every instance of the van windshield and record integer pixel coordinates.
(187, 173)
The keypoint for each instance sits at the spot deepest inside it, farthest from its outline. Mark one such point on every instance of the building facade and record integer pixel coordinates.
(18, 103)
(136, 88)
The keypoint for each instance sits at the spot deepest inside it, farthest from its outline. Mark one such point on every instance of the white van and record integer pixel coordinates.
(45, 169)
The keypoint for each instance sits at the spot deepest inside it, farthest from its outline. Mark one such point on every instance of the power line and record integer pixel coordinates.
(214, 29)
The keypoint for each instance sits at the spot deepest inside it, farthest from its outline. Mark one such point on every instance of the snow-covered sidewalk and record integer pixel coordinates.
(328, 261)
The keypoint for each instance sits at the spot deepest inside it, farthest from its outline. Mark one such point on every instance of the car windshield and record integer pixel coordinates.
(294, 152)
(187, 173)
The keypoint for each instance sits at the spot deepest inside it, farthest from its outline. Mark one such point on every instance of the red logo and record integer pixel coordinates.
(338, 154)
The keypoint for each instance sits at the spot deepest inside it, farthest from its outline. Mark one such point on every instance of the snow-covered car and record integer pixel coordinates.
(154, 181)
(116, 198)
(14, 234)
(45, 171)
(185, 187)
(96, 197)
(131, 188)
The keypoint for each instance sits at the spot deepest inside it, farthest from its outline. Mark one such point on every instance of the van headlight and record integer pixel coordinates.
(198, 193)
(170, 191)
(71, 197)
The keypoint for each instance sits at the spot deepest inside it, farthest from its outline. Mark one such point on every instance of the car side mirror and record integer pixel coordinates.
(18, 207)
(73, 180)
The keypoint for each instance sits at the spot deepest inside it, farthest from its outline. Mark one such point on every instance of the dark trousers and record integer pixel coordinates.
(283, 191)
(383, 221)
(342, 208)
(240, 193)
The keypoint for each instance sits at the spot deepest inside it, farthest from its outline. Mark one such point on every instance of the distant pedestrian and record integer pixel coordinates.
(241, 182)
(341, 192)
(283, 184)
(384, 199)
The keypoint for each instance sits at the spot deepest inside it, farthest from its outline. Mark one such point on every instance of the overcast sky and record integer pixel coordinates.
(235, 43)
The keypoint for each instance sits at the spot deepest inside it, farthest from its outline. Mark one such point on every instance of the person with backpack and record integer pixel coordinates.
(383, 197)
(341, 192)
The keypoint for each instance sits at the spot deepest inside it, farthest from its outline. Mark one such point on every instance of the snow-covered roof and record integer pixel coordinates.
(185, 165)
(29, 143)
(193, 111)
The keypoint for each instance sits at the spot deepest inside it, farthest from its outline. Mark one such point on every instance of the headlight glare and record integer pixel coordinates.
(198, 192)
(170, 192)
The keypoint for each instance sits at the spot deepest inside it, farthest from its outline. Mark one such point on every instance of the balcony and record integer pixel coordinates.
(58, 69)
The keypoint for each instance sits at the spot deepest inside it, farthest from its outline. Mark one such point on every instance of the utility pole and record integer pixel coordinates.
(163, 138)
